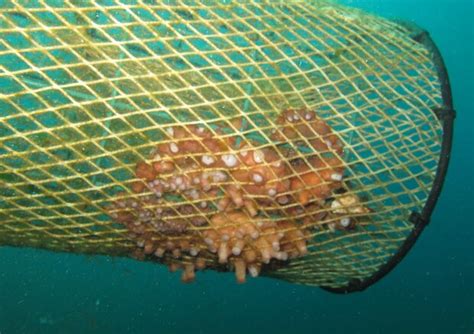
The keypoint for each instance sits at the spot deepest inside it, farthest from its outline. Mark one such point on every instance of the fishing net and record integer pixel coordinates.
(299, 140)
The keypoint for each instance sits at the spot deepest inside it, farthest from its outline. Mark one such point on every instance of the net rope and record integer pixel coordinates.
(90, 88)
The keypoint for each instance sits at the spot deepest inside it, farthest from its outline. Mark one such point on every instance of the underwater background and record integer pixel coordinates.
(431, 291)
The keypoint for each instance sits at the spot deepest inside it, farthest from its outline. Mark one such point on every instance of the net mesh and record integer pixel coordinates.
(93, 93)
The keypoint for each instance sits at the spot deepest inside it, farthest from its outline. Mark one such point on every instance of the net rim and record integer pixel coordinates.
(446, 115)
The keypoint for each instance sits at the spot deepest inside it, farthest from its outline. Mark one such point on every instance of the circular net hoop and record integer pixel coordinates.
(89, 88)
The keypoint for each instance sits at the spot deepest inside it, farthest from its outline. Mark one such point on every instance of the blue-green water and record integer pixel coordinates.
(431, 291)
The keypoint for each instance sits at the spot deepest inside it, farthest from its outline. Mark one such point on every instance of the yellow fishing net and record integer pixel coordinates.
(288, 139)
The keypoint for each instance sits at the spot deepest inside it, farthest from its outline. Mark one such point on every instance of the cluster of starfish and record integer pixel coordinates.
(204, 197)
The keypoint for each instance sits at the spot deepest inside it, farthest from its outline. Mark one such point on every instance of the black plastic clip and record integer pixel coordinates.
(421, 36)
(444, 113)
(417, 219)
(354, 284)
